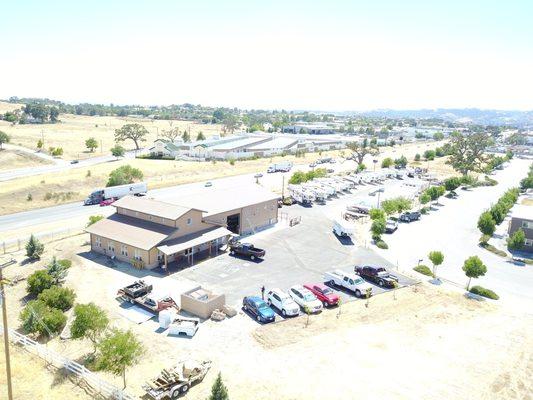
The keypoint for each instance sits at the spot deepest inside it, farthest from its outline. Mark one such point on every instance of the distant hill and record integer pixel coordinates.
(461, 115)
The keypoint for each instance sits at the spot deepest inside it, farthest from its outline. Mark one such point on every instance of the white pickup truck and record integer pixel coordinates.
(349, 281)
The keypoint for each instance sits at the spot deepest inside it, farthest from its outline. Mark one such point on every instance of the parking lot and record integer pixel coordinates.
(294, 255)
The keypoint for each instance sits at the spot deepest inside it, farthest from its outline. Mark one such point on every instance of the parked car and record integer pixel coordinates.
(283, 302)
(208, 184)
(108, 202)
(75, 161)
(410, 216)
(377, 275)
(452, 194)
(258, 175)
(305, 299)
(391, 226)
(246, 249)
(258, 308)
(323, 293)
(349, 281)
(330, 170)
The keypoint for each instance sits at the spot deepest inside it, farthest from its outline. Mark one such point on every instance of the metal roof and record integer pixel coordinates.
(522, 211)
(131, 231)
(194, 239)
(152, 207)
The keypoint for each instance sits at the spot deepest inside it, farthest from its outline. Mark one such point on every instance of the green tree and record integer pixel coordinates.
(498, 212)
(186, 137)
(39, 281)
(516, 240)
(377, 228)
(486, 224)
(389, 206)
(40, 144)
(57, 270)
(452, 183)
(118, 151)
(429, 155)
(376, 213)
(58, 297)
(91, 144)
(124, 175)
(401, 162)
(135, 132)
(34, 248)
(218, 390)
(117, 351)
(438, 136)
(436, 258)
(200, 136)
(37, 317)
(467, 152)
(90, 322)
(473, 268)
(387, 162)
(424, 198)
(417, 157)
(360, 150)
(297, 178)
(361, 167)
(4, 138)
(94, 219)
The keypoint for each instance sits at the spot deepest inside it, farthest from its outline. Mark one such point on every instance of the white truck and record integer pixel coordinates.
(116, 192)
(280, 167)
(343, 229)
(349, 281)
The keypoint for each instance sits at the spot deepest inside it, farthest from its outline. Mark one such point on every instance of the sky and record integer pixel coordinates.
(329, 55)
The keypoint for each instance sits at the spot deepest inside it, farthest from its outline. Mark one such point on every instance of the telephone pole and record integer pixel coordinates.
(6, 331)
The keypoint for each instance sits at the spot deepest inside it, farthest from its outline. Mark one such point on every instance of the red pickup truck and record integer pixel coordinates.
(323, 293)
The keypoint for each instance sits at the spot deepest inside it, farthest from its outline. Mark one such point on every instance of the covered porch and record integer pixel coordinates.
(183, 252)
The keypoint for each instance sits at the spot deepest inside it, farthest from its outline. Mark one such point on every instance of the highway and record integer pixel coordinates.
(68, 213)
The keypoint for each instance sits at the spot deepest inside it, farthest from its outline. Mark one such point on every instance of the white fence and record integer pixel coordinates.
(106, 389)
(16, 244)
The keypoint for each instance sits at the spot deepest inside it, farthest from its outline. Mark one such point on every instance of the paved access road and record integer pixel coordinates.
(453, 230)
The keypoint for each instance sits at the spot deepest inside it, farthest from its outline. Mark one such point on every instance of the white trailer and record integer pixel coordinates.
(116, 192)
(343, 228)
(280, 167)
(178, 325)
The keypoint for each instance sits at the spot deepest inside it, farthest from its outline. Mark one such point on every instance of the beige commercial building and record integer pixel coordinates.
(149, 233)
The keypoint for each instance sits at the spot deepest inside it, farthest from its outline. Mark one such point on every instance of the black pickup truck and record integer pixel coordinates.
(410, 216)
(377, 275)
(246, 249)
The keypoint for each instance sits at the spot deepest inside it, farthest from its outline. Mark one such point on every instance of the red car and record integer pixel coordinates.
(107, 202)
(323, 293)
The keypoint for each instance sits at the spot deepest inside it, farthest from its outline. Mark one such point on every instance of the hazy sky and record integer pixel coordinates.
(321, 55)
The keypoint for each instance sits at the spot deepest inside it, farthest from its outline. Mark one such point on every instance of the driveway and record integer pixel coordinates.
(453, 230)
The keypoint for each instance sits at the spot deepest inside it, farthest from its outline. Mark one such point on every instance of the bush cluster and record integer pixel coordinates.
(301, 177)
(423, 269)
(481, 291)
(527, 182)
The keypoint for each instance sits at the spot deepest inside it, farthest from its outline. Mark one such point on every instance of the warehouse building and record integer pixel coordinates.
(149, 233)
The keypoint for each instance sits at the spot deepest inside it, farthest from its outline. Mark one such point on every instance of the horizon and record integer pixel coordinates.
(335, 57)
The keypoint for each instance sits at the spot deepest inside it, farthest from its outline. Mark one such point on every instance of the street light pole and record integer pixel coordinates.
(6, 331)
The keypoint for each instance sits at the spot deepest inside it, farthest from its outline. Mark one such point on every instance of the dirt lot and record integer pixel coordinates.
(73, 130)
(75, 184)
(428, 344)
(13, 159)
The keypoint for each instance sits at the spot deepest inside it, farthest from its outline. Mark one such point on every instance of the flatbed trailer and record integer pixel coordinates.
(139, 293)
(173, 382)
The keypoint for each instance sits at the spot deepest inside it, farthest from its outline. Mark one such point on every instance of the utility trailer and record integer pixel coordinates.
(176, 381)
(140, 293)
(178, 325)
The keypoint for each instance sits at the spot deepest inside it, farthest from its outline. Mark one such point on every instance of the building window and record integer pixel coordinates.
(137, 214)
(159, 255)
(111, 246)
(527, 224)
(528, 242)
(98, 241)
(124, 250)
(137, 255)
(187, 252)
(189, 221)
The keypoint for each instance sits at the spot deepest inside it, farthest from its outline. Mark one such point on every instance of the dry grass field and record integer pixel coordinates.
(73, 130)
(13, 159)
(431, 343)
(75, 184)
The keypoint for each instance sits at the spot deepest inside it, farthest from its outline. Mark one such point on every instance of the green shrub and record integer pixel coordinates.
(381, 244)
(484, 239)
(424, 210)
(486, 224)
(39, 318)
(58, 297)
(39, 281)
(376, 213)
(516, 240)
(492, 249)
(124, 175)
(423, 269)
(481, 291)
(417, 157)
